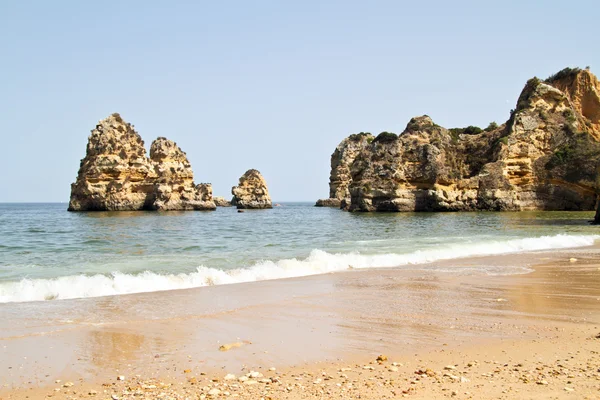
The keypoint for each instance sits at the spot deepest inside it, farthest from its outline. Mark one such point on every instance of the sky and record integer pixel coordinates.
(270, 85)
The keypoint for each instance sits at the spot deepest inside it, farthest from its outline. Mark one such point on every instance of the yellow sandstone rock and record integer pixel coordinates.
(116, 174)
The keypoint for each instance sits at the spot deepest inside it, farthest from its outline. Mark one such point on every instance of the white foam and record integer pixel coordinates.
(318, 262)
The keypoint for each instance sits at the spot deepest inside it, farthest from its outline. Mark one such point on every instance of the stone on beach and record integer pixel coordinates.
(381, 358)
(229, 346)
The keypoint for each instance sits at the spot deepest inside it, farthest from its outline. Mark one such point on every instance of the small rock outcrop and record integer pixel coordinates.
(341, 160)
(545, 157)
(221, 201)
(330, 202)
(251, 192)
(116, 174)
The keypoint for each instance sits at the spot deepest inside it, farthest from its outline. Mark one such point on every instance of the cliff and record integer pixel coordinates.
(251, 192)
(341, 160)
(545, 157)
(117, 175)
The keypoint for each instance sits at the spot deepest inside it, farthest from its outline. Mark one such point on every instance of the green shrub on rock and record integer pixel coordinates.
(385, 137)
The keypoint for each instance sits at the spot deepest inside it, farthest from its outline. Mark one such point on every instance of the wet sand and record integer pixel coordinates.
(420, 318)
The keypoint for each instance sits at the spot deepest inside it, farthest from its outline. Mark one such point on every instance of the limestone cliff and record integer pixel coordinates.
(251, 192)
(341, 161)
(582, 89)
(545, 157)
(116, 174)
(174, 188)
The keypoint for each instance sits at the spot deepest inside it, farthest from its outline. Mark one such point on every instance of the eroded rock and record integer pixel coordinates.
(251, 192)
(545, 157)
(221, 201)
(116, 174)
(341, 161)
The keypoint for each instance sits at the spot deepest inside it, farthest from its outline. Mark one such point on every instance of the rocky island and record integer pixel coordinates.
(251, 192)
(545, 157)
(117, 175)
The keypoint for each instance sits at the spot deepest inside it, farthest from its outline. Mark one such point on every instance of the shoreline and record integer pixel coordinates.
(77, 286)
(298, 324)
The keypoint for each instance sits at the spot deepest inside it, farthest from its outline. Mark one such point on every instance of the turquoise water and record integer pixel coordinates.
(47, 253)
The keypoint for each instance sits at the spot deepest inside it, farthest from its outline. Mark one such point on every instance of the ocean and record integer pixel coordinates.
(49, 254)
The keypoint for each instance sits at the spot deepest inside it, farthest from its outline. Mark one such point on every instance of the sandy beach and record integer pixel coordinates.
(441, 333)
(299, 200)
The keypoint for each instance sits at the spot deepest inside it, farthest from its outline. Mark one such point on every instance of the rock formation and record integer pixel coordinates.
(174, 187)
(116, 174)
(251, 192)
(341, 161)
(545, 157)
(221, 201)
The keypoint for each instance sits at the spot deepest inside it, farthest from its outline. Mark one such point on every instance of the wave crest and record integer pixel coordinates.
(318, 262)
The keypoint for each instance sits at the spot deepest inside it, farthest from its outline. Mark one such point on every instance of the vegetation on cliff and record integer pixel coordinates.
(545, 156)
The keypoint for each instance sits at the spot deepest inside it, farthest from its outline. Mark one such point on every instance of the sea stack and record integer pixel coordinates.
(545, 157)
(117, 175)
(251, 192)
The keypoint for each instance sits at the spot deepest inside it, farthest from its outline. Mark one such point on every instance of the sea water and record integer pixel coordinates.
(47, 253)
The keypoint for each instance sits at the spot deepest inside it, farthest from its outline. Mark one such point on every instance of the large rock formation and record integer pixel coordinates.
(251, 192)
(116, 174)
(341, 160)
(545, 157)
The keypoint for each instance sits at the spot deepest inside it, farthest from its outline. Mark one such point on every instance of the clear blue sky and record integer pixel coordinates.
(271, 85)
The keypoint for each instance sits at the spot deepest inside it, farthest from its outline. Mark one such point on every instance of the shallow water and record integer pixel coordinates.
(47, 253)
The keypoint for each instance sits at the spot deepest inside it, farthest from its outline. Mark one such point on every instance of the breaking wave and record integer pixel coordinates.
(318, 262)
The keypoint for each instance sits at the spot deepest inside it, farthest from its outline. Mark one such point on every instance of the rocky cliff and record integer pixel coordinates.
(116, 174)
(545, 157)
(341, 160)
(251, 192)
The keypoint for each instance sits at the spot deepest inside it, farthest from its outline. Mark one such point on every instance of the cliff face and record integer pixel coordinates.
(341, 161)
(545, 157)
(251, 192)
(174, 187)
(116, 174)
(582, 89)
(426, 167)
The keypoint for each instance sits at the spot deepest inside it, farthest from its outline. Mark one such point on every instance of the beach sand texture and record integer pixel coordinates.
(443, 334)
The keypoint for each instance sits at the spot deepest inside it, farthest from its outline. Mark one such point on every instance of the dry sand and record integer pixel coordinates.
(459, 334)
